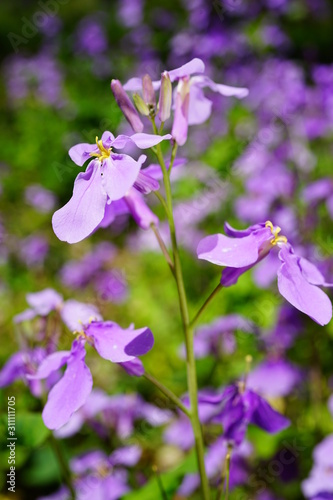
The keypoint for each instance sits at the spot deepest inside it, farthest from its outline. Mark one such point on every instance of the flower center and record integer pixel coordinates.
(103, 153)
(275, 230)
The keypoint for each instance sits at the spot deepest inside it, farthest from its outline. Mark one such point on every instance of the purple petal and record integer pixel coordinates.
(323, 453)
(81, 153)
(299, 292)
(274, 378)
(12, 370)
(70, 393)
(190, 483)
(141, 140)
(180, 121)
(26, 315)
(196, 65)
(50, 364)
(139, 210)
(145, 184)
(312, 273)
(120, 172)
(45, 301)
(265, 417)
(77, 314)
(232, 252)
(230, 275)
(134, 367)
(128, 455)
(85, 210)
(200, 107)
(118, 345)
(225, 90)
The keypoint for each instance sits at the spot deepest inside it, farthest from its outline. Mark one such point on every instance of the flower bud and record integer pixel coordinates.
(148, 91)
(126, 106)
(180, 121)
(165, 98)
(140, 105)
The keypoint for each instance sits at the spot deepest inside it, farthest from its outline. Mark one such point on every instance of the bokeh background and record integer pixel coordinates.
(252, 161)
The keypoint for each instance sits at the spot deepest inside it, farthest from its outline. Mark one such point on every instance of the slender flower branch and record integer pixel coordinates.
(206, 303)
(163, 247)
(163, 202)
(159, 483)
(167, 393)
(173, 156)
(188, 331)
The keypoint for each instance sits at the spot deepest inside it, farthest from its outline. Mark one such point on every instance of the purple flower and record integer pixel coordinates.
(111, 285)
(241, 407)
(71, 392)
(319, 485)
(191, 105)
(40, 198)
(274, 378)
(91, 38)
(298, 279)
(21, 365)
(109, 177)
(33, 250)
(41, 304)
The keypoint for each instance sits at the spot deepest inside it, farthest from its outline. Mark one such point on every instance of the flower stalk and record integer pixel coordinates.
(187, 328)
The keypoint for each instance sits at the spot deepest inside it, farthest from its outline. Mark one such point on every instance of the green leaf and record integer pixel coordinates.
(30, 430)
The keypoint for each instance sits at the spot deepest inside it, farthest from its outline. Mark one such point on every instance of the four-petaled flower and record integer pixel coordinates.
(298, 279)
(71, 392)
(108, 177)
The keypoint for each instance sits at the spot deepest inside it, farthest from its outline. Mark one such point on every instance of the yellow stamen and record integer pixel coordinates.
(275, 232)
(103, 152)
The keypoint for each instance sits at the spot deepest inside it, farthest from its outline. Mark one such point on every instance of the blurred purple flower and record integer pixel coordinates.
(40, 198)
(39, 76)
(33, 250)
(91, 37)
(274, 378)
(319, 485)
(112, 286)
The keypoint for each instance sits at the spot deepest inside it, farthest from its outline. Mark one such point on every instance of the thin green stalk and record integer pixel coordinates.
(188, 331)
(65, 471)
(163, 247)
(169, 394)
(173, 156)
(228, 458)
(206, 303)
(159, 483)
(163, 202)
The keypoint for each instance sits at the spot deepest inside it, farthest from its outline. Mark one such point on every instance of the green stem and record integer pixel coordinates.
(163, 247)
(169, 394)
(163, 202)
(65, 471)
(188, 331)
(159, 483)
(173, 156)
(206, 303)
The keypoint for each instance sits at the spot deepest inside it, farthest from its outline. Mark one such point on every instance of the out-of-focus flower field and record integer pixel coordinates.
(265, 157)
